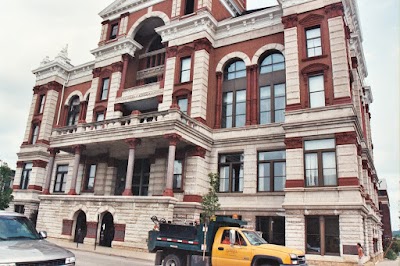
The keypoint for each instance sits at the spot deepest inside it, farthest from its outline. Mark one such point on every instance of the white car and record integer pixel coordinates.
(22, 245)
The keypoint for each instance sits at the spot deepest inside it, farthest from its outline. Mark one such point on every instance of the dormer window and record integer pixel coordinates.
(114, 31)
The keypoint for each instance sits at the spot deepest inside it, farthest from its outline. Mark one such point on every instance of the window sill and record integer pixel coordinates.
(178, 190)
(314, 58)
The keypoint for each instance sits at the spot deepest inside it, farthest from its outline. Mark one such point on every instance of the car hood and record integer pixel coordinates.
(31, 250)
(283, 249)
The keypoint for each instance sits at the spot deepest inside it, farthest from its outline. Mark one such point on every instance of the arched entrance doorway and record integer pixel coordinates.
(107, 230)
(80, 228)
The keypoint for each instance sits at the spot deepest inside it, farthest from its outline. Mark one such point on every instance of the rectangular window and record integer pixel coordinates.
(313, 37)
(189, 6)
(322, 235)
(42, 99)
(26, 172)
(178, 172)
(114, 31)
(61, 178)
(183, 105)
(90, 176)
(141, 174)
(234, 109)
(271, 171)
(272, 104)
(19, 209)
(316, 90)
(231, 173)
(35, 134)
(272, 228)
(104, 89)
(320, 162)
(185, 69)
(100, 117)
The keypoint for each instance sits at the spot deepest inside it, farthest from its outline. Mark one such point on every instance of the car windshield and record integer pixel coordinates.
(15, 228)
(254, 238)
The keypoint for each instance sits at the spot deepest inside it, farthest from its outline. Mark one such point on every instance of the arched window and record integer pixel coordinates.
(234, 95)
(73, 111)
(272, 90)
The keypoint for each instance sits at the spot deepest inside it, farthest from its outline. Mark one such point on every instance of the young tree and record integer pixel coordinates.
(210, 200)
(5, 190)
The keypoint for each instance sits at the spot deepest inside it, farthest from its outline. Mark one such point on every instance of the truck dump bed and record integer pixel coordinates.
(188, 237)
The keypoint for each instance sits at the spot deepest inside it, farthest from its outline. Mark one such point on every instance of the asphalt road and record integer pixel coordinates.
(84, 258)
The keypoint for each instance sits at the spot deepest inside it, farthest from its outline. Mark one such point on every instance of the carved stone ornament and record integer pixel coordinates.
(172, 51)
(344, 138)
(202, 44)
(133, 142)
(117, 67)
(334, 10)
(173, 138)
(96, 72)
(289, 21)
(294, 143)
(198, 152)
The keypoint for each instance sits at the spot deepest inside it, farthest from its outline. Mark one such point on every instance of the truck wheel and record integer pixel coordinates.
(172, 260)
(268, 264)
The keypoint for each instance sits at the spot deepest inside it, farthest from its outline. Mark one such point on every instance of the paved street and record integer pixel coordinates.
(84, 258)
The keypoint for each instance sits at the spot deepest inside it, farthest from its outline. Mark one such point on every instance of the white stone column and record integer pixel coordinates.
(200, 84)
(131, 162)
(168, 79)
(173, 141)
(50, 165)
(78, 151)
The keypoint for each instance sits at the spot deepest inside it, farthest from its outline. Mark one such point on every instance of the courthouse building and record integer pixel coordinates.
(273, 100)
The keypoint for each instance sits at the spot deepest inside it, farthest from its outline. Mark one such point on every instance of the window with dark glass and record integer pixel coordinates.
(19, 208)
(271, 171)
(61, 178)
(235, 70)
(73, 111)
(313, 39)
(189, 6)
(231, 176)
(42, 99)
(183, 104)
(178, 172)
(272, 89)
(320, 162)
(35, 133)
(104, 89)
(141, 174)
(90, 177)
(26, 172)
(272, 228)
(114, 31)
(316, 90)
(322, 235)
(185, 69)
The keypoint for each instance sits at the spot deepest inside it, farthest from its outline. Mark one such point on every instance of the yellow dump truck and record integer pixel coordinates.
(223, 243)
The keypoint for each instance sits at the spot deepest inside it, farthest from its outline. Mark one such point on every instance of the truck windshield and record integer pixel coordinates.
(254, 238)
(16, 228)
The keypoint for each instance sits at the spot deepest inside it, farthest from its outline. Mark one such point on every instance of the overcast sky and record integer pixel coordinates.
(40, 28)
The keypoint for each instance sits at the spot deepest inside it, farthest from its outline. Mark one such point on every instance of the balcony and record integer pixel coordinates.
(147, 126)
(151, 66)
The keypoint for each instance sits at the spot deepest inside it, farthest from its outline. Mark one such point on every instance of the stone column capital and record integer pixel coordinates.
(173, 138)
(133, 142)
(53, 151)
(78, 149)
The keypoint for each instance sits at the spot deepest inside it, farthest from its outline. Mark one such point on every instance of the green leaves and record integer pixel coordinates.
(210, 201)
(5, 190)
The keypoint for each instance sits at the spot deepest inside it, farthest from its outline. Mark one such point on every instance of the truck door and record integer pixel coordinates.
(225, 254)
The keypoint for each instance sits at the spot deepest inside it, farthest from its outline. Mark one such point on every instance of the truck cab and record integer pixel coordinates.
(242, 247)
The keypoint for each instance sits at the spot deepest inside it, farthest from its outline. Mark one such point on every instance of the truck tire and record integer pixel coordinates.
(269, 264)
(172, 260)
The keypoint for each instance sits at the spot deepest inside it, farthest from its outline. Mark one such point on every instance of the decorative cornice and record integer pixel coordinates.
(334, 10)
(119, 47)
(121, 7)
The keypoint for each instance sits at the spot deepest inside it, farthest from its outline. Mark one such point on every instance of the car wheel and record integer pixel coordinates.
(172, 260)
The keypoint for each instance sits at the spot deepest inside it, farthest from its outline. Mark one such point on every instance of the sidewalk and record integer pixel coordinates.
(103, 250)
(387, 262)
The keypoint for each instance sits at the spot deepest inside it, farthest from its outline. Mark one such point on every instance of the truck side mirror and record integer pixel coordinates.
(232, 236)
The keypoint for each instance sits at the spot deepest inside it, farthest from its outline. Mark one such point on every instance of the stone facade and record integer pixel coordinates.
(135, 133)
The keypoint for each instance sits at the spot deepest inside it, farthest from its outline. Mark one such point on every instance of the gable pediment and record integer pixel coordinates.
(118, 7)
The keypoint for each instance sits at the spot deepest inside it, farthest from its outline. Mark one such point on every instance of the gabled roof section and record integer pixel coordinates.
(235, 7)
(119, 7)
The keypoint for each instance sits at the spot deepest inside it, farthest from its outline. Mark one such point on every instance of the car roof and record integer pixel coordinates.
(7, 213)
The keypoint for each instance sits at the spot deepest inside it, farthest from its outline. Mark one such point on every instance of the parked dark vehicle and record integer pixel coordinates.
(21, 244)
